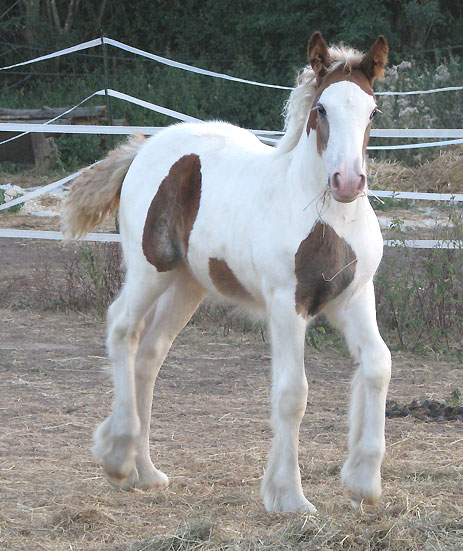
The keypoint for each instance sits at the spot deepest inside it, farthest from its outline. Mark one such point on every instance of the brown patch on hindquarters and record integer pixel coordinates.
(172, 214)
(322, 256)
(225, 280)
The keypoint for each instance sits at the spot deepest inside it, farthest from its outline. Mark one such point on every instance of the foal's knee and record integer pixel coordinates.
(149, 358)
(376, 365)
(290, 399)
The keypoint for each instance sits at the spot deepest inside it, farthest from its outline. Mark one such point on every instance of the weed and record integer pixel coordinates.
(419, 293)
(455, 397)
(385, 204)
(3, 199)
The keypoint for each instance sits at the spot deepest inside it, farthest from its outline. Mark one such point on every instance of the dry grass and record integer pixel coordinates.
(210, 434)
(442, 174)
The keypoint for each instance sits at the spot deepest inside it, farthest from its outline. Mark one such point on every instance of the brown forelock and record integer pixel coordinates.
(172, 214)
(225, 280)
(320, 124)
(322, 256)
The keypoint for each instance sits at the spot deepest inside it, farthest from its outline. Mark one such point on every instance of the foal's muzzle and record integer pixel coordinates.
(345, 188)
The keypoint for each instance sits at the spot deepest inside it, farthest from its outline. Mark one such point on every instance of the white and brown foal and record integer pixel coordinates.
(286, 233)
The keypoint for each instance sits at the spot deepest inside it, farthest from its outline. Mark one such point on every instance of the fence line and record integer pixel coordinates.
(116, 238)
(267, 136)
(149, 130)
(192, 68)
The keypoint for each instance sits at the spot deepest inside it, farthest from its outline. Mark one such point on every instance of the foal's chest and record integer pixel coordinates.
(324, 267)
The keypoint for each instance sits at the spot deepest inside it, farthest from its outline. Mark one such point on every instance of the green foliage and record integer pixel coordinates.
(14, 208)
(256, 39)
(420, 294)
(455, 397)
(386, 204)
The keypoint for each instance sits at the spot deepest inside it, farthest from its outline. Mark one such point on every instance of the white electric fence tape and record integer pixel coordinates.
(416, 196)
(42, 190)
(425, 244)
(148, 105)
(191, 68)
(116, 238)
(148, 130)
(45, 123)
(56, 235)
(72, 49)
(416, 92)
(264, 135)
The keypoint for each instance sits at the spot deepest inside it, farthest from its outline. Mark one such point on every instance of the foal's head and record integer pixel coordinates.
(342, 111)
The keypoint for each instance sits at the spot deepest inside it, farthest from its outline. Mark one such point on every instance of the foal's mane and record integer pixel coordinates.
(297, 107)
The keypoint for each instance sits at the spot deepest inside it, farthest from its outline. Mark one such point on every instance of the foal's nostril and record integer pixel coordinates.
(336, 181)
(362, 181)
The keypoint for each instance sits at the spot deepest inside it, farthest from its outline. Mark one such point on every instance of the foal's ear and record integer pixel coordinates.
(317, 52)
(375, 60)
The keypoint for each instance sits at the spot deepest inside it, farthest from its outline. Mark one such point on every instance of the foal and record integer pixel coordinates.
(286, 232)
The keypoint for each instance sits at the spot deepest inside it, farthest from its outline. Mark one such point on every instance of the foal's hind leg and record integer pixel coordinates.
(361, 471)
(115, 438)
(171, 313)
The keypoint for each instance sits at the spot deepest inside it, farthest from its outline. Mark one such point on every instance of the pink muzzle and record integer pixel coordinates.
(345, 188)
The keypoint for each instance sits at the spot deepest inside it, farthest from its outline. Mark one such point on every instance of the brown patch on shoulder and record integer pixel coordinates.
(225, 280)
(324, 267)
(172, 214)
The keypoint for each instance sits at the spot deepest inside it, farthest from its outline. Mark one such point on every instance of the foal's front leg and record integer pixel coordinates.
(362, 470)
(281, 486)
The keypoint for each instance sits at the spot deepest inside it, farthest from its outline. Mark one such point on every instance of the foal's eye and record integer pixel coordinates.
(373, 114)
(321, 110)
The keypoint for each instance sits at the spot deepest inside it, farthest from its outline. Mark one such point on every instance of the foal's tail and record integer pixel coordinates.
(96, 192)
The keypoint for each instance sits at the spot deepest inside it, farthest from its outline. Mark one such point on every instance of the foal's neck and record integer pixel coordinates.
(306, 182)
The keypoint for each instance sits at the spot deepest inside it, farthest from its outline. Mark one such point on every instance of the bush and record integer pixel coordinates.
(420, 294)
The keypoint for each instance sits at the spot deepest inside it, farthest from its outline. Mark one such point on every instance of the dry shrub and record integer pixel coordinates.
(419, 295)
(87, 280)
(211, 316)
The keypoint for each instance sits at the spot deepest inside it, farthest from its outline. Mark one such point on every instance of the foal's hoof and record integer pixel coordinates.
(115, 453)
(146, 479)
(281, 500)
(364, 486)
(290, 505)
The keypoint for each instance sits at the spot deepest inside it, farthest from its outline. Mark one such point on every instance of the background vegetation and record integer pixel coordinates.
(260, 40)
(419, 300)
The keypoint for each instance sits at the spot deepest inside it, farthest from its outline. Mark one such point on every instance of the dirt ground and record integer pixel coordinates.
(210, 434)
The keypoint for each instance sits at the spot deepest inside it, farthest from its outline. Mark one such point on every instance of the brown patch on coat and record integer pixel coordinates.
(321, 126)
(366, 139)
(225, 280)
(324, 267)
(172, 214)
